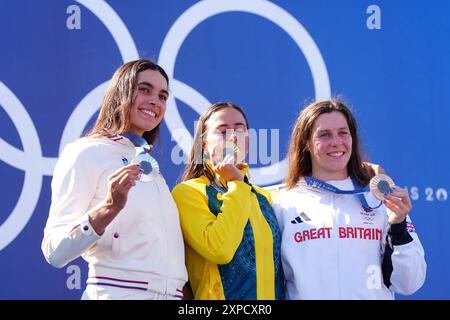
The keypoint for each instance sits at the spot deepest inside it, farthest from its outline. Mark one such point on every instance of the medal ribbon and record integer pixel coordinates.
(359, 192)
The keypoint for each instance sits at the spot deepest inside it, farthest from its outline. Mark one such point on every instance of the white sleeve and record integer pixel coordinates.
(404, 266)
(68, 232)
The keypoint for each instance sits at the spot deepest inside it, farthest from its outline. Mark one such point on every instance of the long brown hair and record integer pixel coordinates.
(196, 167)
(299, 157)
(114, 116)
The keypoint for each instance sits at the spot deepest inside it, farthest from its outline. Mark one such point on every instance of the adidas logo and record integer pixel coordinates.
(301, 217)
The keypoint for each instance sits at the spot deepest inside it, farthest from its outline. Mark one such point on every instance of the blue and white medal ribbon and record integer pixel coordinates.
(138, 141)
(359, 192)
(149, 166)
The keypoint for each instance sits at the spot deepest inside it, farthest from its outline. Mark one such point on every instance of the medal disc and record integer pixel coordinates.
(380, 185)
(149, 166)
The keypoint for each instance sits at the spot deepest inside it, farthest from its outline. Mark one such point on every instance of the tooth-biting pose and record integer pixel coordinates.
(127, 230)
(229, 227)
(337, 245)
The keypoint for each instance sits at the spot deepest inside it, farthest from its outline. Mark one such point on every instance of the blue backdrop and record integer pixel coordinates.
(390, 61)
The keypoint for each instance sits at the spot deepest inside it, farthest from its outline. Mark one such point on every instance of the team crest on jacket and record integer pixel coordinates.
(367, 215)
(410, 227)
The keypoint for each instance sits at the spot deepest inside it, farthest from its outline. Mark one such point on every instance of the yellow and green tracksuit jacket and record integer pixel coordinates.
(232, 240)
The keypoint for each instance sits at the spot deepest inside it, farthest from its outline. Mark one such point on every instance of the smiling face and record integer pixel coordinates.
(227, 124)
(330, 146)
(149, 101)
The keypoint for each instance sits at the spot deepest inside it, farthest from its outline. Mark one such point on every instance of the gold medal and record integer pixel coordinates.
(223, 149)
(380, 185)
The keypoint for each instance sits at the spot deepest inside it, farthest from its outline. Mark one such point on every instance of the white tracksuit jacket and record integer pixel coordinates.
(141, 253)
(331, 248)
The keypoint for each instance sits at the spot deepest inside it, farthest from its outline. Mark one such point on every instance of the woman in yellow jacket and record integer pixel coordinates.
(230, 231)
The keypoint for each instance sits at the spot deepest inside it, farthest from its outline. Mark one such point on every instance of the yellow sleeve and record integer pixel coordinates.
(216, 238)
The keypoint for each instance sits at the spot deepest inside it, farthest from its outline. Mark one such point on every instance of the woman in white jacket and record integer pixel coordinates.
(335, 245)
(127, 230)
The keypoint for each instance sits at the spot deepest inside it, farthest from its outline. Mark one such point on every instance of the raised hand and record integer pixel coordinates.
(119, 184)
(228, 170)
(398, 204)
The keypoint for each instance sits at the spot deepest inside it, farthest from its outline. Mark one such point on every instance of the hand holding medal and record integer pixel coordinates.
(227, 158)
(227, 148)
(395, 199)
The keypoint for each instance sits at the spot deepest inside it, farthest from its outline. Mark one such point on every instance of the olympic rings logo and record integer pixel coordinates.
(35, 165)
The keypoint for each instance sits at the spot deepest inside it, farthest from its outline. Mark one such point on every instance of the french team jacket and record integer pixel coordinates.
(142, 248)
(332, 248)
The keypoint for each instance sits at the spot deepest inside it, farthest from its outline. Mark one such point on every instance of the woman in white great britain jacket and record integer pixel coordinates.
(127, 230)
(341, 246)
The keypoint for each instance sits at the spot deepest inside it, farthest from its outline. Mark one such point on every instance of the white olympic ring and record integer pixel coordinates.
(35, 166)
(30, 160)
(208, 8)
(89, 105)
(25, 160)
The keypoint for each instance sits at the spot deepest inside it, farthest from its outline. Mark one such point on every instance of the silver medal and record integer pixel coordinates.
(148, 165)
